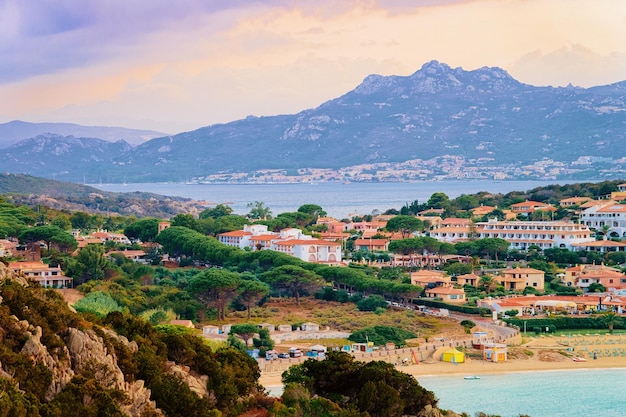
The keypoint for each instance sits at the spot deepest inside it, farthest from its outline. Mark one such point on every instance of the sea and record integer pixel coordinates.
(339, 200)
(566, 393)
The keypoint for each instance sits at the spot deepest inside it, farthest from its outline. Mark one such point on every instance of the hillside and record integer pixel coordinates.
(34, 191)
(478, 121)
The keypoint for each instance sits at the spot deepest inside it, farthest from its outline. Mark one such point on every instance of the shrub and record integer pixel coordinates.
(371, 303)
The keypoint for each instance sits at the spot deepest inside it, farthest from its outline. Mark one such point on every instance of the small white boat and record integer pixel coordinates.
(471, 377)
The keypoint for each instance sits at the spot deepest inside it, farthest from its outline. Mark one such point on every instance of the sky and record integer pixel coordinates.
(178, 65)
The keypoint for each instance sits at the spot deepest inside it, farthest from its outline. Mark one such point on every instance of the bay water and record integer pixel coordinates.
(337, 199)
(566, 393)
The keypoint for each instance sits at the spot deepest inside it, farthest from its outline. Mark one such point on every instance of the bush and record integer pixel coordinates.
(371, 303)
(98, 303)
(380, 335)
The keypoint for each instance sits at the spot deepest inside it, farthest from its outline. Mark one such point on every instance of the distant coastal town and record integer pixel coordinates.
(447, 167)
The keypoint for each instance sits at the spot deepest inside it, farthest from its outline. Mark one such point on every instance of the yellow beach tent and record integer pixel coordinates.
(453, 355)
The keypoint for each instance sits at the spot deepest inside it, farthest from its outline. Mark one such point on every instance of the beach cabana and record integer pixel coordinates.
(452, 355)
(495, 352)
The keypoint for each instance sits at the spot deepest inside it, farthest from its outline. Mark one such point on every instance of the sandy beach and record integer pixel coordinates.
(547, 353)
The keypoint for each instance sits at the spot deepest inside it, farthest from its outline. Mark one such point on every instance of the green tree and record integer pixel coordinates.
(91, 263)
(371, 303)
(487, 283)
(80, 220)
(259, 211)
(406, 225)
(610, 319)
(313, 210)
(215, 287)
(220, 210)
(62, 221)
(144, 230)
(251, 292)
(296, 280)
(185, 220)
(438, 201)
(492, 245)
(244, 331)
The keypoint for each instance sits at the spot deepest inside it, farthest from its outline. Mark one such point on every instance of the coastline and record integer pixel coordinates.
(547, 356)
(476, 367)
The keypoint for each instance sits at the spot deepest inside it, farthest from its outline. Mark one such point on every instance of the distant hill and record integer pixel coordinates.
(482, 117)
(16, 130)
(34, 191)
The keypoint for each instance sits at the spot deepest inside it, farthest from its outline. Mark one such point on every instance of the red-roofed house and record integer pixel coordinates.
(516, 279)
(46, 275)
(528, 207)
(371, 245)
(447, 294)
(243, 238)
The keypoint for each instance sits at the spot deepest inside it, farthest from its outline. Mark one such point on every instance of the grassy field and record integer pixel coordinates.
(346, 317)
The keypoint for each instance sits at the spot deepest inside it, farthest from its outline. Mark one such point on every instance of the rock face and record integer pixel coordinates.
(6, 273)
(196, 383)
(86, 351)
(83, 351)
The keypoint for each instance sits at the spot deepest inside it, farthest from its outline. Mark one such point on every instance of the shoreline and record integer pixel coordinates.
(545, 357)
(272, 381)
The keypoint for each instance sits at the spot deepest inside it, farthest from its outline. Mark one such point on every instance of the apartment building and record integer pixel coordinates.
(520, 234)
(609, 215)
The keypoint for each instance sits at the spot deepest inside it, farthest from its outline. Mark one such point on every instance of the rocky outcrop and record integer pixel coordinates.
(6, 273)
(59, 364)
(197, 383)
(86, 352)
(89, 353)
(430, 411)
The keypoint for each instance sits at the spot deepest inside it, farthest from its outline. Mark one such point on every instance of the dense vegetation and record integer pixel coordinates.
(232, 375)
(376, 389)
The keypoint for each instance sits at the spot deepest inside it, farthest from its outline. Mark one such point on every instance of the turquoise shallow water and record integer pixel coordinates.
(576, 393)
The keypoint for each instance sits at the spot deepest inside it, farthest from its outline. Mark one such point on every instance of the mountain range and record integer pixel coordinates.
(482, 117)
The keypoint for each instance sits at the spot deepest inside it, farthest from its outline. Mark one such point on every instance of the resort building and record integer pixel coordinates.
(573, 201)
(520, 234)
(371, 245)
(610, 278)
(242, 238)
(609, 217)
(468, 279)
(290, 241)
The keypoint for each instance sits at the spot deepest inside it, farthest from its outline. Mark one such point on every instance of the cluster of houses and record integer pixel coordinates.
(290, 241)
(608, 216)
(372, 236)
(34, 269)
(438, 285)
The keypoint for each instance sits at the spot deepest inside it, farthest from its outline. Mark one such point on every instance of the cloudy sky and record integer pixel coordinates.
(175, 65)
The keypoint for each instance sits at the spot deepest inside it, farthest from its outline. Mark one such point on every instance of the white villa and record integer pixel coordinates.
(47, 276)
(290, 241)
